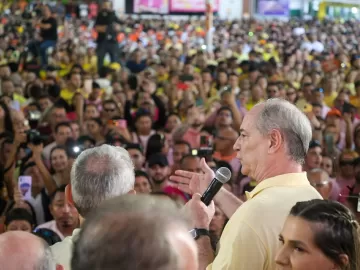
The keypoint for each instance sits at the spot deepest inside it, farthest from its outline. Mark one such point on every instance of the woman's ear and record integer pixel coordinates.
(344, 262)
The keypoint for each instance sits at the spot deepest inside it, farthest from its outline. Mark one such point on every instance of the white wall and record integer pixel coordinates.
(231, 9)
(119, 6)
(297, 4)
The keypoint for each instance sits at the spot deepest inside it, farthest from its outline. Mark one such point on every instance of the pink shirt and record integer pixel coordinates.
(192, 136)
(340, 185)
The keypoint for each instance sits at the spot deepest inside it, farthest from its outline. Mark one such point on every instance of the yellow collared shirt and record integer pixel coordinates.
(250, 238)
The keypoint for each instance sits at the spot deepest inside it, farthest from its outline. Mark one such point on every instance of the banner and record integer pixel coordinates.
(273, 7)
(191, 5)
(153, 6)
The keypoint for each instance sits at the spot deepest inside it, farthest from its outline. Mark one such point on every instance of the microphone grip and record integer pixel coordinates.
(211, 191)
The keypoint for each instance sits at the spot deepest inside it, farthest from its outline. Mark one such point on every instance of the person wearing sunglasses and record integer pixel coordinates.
(346, 175)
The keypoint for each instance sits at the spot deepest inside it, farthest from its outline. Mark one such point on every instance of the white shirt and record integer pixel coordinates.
(62, 251)
(38, 207)
(313, 46)
(51, 225)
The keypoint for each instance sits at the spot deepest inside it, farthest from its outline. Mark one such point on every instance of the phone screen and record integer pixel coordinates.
(24, 183)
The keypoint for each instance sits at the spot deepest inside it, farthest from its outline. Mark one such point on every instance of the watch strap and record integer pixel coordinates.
(201, 232)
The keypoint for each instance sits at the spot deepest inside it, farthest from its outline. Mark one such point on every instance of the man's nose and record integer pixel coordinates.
(66, 208)
(237, 145)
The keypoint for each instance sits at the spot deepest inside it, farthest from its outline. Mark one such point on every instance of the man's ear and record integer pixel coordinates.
(132, 192)
(68, 195)
(59, 267)
(276, 141)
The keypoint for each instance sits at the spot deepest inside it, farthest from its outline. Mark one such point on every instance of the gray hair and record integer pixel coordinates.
(99, 174)
(129, 232)
(294, 126)
(47, 261)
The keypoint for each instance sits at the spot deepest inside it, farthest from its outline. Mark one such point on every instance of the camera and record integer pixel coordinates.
(33, 136)
(206, 148)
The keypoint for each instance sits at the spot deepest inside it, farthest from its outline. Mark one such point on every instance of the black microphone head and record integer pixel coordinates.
(223, 174)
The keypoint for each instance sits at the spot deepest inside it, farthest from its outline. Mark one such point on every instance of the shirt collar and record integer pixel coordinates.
(284, 180)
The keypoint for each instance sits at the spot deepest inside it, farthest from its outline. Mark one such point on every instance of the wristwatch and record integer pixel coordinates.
(197, 233)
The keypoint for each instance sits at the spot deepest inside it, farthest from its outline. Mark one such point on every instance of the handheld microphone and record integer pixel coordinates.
(222, 175)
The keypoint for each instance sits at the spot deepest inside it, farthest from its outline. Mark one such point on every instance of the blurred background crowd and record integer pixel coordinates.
(153, 87)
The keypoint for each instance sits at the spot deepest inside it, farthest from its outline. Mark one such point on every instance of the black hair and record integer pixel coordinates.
(97, 120)
(315, 104)
(109, 101)
(139, 173)
(273, 84)
(224, 108)
(142, 113)
(36, 105)
(19, 214)
(62, 124)
(339, 232)
(60, 189)
(82, 139)
(7, 119)
(136, 146)
(187, 156)
(155, 144)
(182, 142)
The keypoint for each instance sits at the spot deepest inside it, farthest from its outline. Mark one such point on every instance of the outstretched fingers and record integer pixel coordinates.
(179, 179)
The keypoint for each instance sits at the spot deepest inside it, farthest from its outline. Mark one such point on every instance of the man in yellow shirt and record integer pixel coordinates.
(274, 139)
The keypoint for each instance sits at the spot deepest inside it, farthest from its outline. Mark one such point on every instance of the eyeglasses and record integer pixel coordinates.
(321, 184)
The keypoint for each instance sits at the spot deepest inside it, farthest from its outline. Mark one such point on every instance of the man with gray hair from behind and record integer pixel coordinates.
(22, 251)
(135, 233)
(98, 174)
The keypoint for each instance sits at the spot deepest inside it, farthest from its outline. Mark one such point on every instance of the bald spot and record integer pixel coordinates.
(317, 176)
(20, 250)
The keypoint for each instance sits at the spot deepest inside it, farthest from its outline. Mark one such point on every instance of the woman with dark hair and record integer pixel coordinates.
(95, 128)
(59, 166)
(5, 119)
(319, 235)
(157, 143)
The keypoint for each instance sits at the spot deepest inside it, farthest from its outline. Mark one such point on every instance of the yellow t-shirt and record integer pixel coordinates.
(251, 104)
(355, 101)
(329, 100)
(19, 99)
(250, 239)
(68, 95)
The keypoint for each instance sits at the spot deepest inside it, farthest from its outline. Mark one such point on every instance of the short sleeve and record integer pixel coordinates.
(240, 250)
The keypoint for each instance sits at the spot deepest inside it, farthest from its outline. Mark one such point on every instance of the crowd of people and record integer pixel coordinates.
(97, 107)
